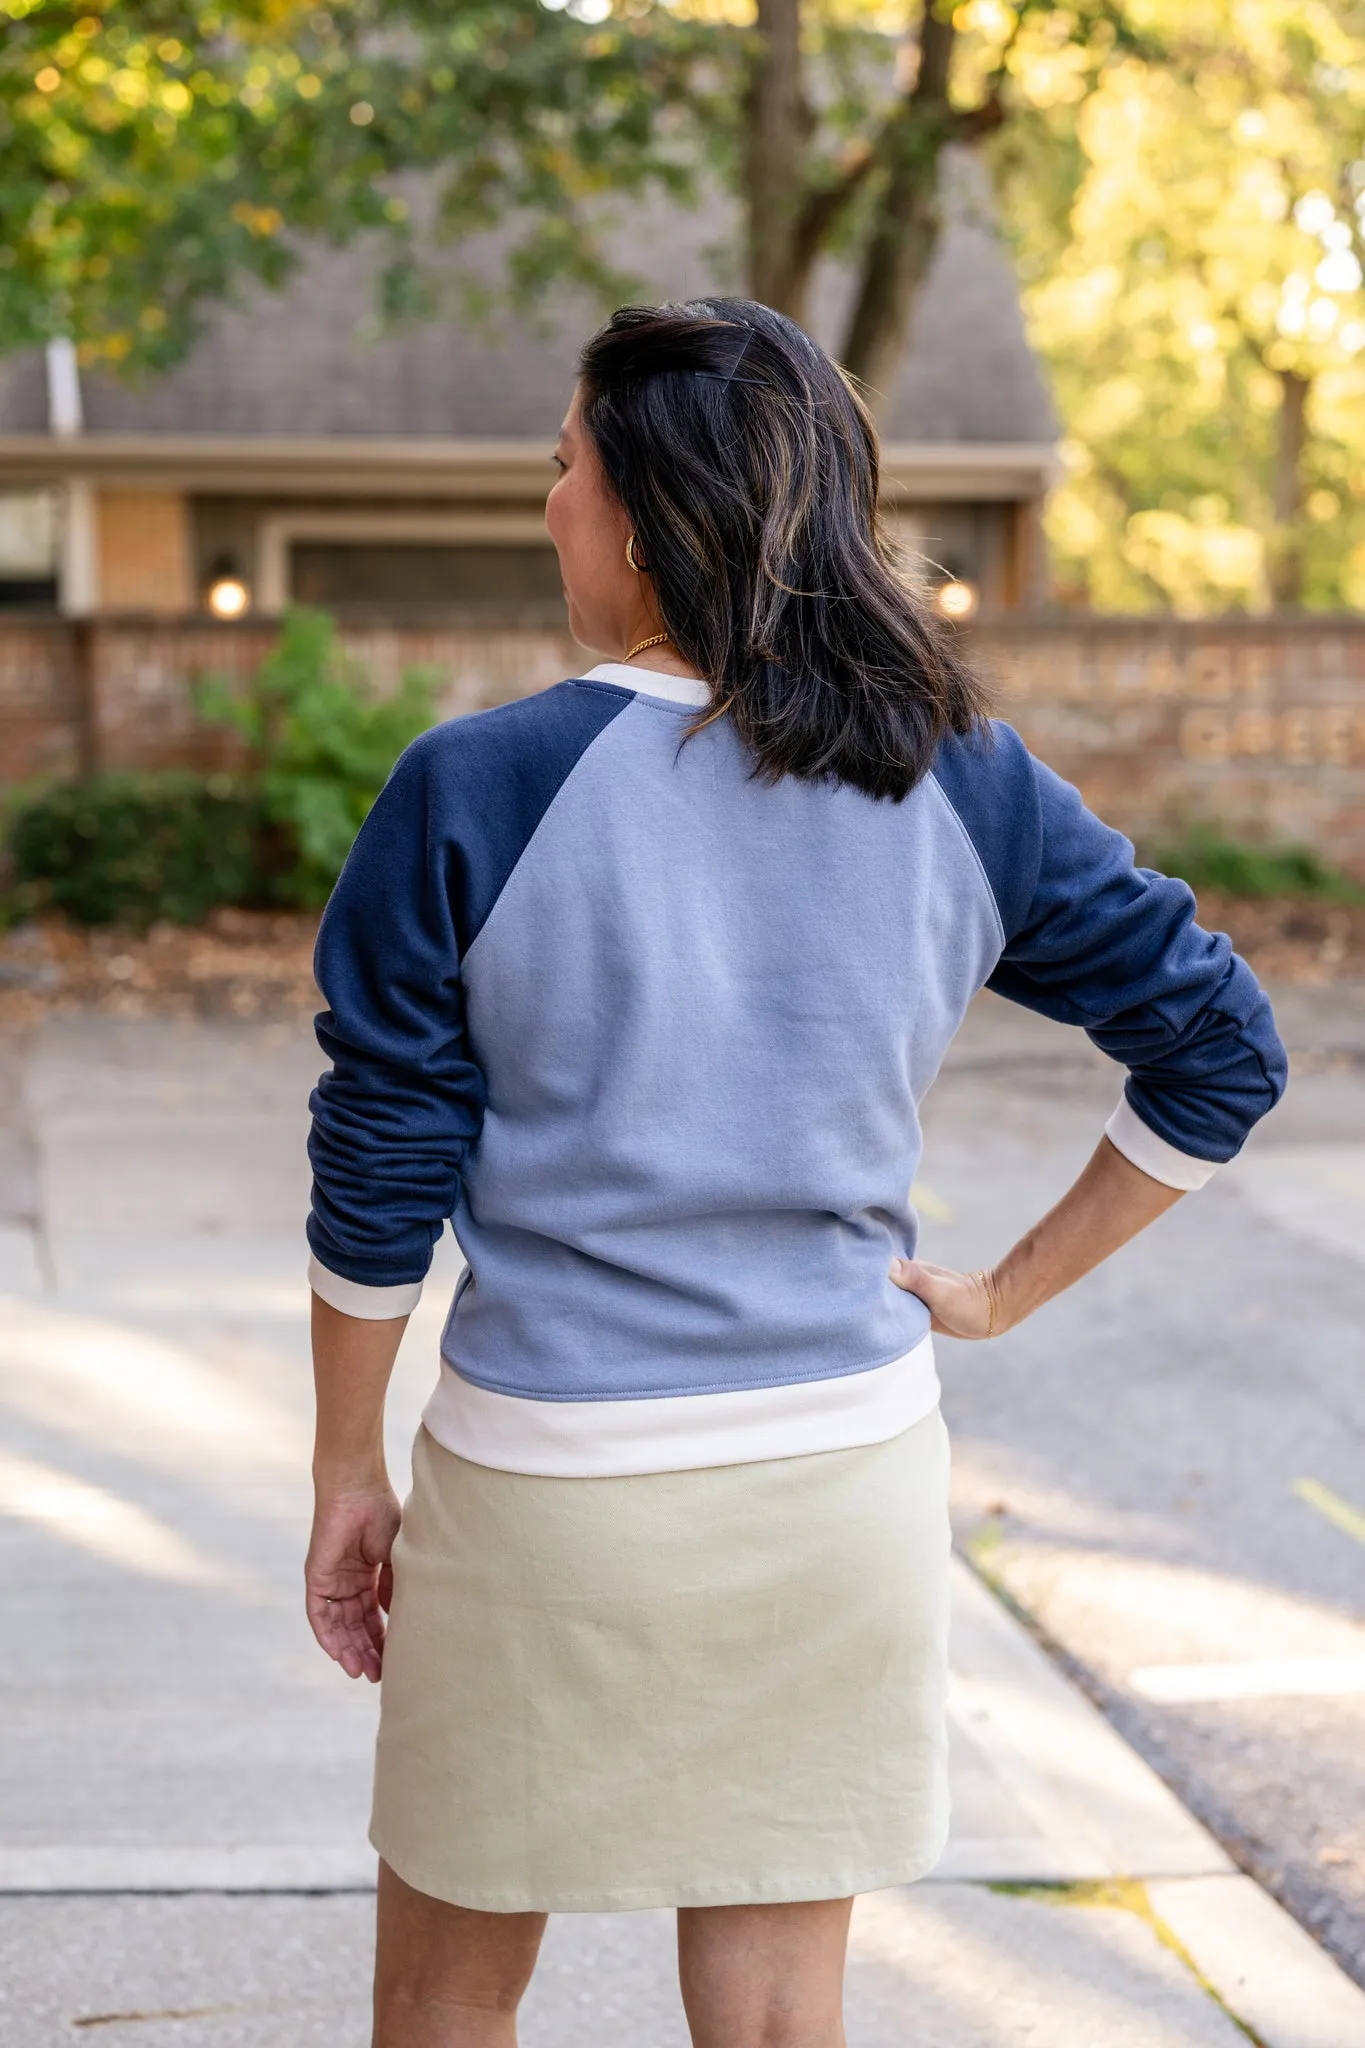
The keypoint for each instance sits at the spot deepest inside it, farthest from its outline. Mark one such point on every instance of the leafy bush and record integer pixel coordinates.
(1206, 860)
(321, 743)
(129, 849)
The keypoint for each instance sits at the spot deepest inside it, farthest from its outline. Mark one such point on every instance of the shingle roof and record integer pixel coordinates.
(23, 393)
(297, 362)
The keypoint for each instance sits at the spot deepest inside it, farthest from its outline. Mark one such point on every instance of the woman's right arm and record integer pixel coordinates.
(396, 1117)
(347, 1577)
(393, 1121)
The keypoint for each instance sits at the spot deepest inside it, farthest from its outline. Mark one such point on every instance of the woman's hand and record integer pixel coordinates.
(959, 1304)
(348, 1577)
(1110, 1203)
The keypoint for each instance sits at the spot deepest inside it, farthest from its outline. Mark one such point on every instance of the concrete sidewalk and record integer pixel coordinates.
(183, 1778)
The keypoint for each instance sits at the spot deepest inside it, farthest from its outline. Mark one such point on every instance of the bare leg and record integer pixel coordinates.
(764, 1976)
(445, 1976)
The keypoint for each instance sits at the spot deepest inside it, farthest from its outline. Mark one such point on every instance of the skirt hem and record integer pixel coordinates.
(768, 1891)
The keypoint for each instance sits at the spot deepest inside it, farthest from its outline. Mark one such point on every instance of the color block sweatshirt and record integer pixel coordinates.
(654, 1036)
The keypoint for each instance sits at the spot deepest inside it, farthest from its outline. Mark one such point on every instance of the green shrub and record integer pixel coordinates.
(321, 742)
(129, 849)
(1206, 860)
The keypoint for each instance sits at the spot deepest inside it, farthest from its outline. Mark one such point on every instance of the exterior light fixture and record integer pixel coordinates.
(227, 596)
(955, 600)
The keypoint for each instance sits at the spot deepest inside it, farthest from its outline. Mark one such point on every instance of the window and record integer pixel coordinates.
(510, 581)
(28, 548)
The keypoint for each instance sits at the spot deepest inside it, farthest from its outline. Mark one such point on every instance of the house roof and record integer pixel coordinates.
(23, 393)
(297, 364)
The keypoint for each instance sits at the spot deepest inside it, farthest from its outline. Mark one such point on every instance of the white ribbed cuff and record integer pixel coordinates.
(1152, 1155)
(370, 1304)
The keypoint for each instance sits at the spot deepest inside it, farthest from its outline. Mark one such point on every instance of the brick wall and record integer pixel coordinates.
(1259, 726)
(118, 693)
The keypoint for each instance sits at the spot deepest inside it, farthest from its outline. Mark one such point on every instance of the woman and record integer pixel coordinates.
(641, 981)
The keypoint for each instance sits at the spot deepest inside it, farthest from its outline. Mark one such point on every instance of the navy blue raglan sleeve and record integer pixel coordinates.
(402, 1104)
(1092, 939)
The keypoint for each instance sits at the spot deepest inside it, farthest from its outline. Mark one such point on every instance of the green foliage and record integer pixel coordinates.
(152, 153)
(321, 742)
(156, 154)
(1206, 860)
(133, 848)
(1192, 242)
(130, 849)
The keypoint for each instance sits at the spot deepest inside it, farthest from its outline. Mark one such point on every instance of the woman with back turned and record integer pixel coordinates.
(641, 981)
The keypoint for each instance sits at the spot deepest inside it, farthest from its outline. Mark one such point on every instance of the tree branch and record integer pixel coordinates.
(905, 231)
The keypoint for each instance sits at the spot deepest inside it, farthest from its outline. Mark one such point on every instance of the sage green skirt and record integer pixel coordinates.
(706, 1688)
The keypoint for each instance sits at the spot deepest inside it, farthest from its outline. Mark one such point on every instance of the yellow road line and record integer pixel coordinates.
(1337, 1511)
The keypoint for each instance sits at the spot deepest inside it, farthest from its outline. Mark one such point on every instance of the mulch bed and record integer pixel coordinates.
(241, 963)
(245, 963)
(1298, 939)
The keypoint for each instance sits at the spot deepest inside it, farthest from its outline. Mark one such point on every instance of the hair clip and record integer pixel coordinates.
(728, 377)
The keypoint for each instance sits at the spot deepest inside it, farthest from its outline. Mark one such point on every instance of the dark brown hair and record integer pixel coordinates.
(748, 467)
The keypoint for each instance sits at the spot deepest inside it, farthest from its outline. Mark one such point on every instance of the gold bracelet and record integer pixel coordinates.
(980, 1274)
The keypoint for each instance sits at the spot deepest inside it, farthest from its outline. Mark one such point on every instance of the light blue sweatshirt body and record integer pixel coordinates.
(654, 1034)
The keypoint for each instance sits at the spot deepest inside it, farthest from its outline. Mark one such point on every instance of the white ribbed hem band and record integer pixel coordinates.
(369, 1304)
(1152, 1155)
(681, 1432)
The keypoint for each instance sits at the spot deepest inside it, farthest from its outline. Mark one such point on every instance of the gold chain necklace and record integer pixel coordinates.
(654, 640)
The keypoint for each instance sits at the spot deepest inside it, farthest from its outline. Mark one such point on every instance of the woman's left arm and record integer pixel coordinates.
(1109, 1204)
(1091, 939)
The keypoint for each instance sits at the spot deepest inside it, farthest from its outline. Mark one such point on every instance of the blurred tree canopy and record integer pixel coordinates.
(152, 152)
(845, 110)
(1182, 180)
(1192, 237)
(155, 152)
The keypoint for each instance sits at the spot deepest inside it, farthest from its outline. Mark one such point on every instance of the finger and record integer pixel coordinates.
(917, 1276)
(355, 1653)
(957, 1302)
(349, 1628)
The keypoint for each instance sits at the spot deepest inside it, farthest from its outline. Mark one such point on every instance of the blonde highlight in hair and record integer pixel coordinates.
(748, 466)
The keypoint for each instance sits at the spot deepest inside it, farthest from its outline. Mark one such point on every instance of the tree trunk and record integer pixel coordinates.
(1286, 551)
(778, 123)
(906, 225)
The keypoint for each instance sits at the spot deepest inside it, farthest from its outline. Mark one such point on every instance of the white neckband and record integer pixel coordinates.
(652, 682)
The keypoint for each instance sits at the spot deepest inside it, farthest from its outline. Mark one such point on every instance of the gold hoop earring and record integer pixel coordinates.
(630, 555)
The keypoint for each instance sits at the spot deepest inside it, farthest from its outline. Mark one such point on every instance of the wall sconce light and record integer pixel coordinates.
(956, 599)
(227, 596)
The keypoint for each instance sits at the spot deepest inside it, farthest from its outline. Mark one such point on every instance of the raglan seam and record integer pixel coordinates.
(577, 683)
(602, 689)
(980, 864)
